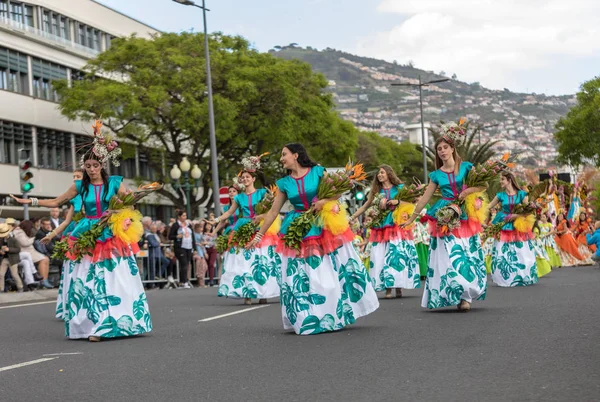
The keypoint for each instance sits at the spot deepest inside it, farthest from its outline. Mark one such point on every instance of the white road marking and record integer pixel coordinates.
(234, 313)
(29, 363)
(28, 304)
(63, 354)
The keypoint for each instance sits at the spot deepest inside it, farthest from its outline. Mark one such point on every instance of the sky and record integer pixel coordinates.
(541, 46)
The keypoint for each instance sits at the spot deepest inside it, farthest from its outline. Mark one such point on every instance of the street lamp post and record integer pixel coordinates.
(211, 113)
(421, 85)
(195, 173)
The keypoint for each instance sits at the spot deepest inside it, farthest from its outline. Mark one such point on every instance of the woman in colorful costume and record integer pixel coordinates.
(394, 262)
(66, 228)
(582, 227)
(568, 247)
(106, 298)
(546, 236)
(233, 190)
(456, 275)
(542, 258)
(324, 284)
(249, 274)
(422, 238)
(513, 258)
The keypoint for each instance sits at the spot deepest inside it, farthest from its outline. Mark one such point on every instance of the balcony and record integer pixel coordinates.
(68, 45)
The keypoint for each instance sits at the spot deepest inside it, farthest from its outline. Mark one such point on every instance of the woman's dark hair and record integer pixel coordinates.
(232, 187)
(179, 212)
(208, 225)
(86, 181)
(512, 179)
(303, 159)
(27, 227)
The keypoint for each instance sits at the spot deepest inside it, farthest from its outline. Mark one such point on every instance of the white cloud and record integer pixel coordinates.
(490, 41)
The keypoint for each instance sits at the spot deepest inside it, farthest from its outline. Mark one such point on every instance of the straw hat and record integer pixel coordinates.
(4, 230)
(11, 221)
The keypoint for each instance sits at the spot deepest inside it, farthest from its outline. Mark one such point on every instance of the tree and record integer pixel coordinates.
(374, 150)
(578, 133)
(454, 76)
(152, 93)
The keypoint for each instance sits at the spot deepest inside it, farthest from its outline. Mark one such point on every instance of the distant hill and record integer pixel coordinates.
(362, 89)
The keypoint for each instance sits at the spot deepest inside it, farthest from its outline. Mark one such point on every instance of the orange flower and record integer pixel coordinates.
(511, 165)
(150, 186)
(263, 154)
(273, 189)
(505, 157)
(462, 121)
(359, 173)
(97, 126)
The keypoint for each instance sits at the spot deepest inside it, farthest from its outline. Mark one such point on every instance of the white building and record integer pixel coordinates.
(41, 41)
(414, 133)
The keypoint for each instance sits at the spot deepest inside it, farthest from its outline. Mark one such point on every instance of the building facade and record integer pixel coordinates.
(42, 41)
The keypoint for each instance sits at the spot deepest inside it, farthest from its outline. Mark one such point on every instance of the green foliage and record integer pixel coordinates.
(297, 230)
(374, 150)
(154, 95)
(60, 250)
(244, 234)
(578, 133)
(222, 243)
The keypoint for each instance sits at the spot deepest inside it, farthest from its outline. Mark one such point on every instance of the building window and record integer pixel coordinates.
(108, 38)
(146, 170)
(81, 34)
(44, 73)
(16, 12)
(82, 144)
(54, 150)
(125, 169)
(13, 71)
(3, 8)
(46, 21)
(54, 20)
(12, 137)
(64, 28)
(97, 40)
(28, 15)
(90, 37)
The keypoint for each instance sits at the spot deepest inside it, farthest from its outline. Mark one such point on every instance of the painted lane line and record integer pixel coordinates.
(29, 363)
(234, 313)
(28, 304)
(63, 354)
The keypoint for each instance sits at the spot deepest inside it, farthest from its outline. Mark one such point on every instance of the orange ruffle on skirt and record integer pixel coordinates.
(467, 228)
(108, 249)
(510, 236)
(568, 244)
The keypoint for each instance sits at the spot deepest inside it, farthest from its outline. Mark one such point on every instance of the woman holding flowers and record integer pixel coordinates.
(546, 236)
(73, 216)
(456, 275)
(513, 257)
(324, 284)
(394, 262)
(569, 252)
(106, 298)
(249, 274)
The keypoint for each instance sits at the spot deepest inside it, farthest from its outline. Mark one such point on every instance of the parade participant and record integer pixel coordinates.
(568, 246)
(422, 238)
(106, 298)
(394, 262)
(66, 227)
(542, 259)
(581, 228)
(547, 233)
(594, 239)
(456, 275)
(9, 256)
(513, 259)
(324, 284)
(249, 274)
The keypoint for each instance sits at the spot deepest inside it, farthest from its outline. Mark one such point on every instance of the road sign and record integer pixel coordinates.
(224, 195)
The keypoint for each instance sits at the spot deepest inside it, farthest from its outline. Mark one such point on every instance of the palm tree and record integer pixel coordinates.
(470, 151)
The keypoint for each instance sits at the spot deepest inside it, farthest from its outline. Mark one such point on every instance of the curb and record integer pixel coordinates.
(35, 296)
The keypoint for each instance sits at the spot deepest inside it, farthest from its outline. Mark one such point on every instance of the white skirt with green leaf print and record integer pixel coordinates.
(514, 264)
(456, 272)
(394, 264)
(253, 274)
(325, 294)
(106, 299)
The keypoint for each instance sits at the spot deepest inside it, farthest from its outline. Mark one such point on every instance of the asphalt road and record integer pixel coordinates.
(521, 344)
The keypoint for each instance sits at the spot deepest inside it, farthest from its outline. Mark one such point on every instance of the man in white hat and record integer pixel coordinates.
(9, 252)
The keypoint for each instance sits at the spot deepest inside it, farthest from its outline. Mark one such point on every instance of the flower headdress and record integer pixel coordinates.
(104, 147)
(454, 133)
(237, 183)
(252, 163)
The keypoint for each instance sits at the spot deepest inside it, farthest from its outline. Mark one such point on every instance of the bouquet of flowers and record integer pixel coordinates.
(332, 215)
(245, 233)
(448, 218)
(526, 219)
(123, 220)
(492, 231)
(411, 192)
(379, 214)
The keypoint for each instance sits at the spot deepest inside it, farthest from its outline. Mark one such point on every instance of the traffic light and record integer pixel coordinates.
(359, 195)
(25, 174)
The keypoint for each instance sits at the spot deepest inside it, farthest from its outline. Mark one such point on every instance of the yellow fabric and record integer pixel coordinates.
(275, 226)
(134, 232)
(403, 212)
(334, 217)
(524, 224)
(476, 206)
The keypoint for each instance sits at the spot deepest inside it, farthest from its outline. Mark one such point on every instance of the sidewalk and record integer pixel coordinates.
(25, 297)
